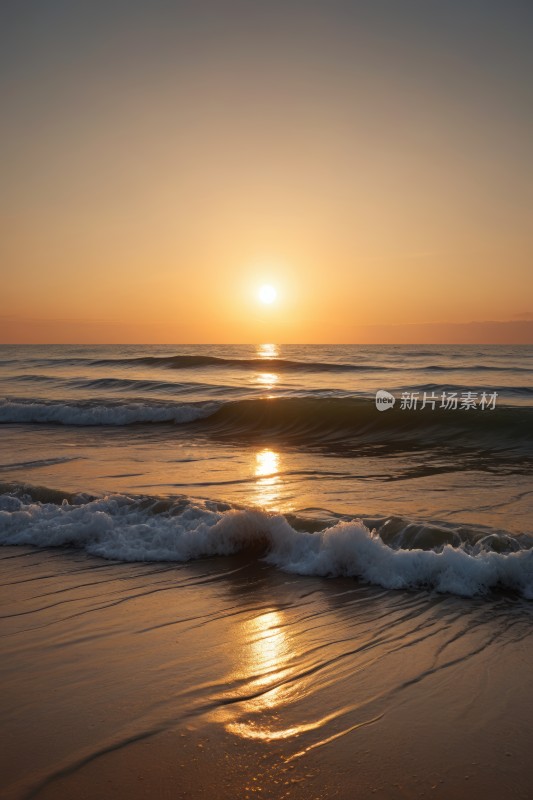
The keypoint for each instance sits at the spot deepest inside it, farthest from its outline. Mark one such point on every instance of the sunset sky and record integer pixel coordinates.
(163, 160)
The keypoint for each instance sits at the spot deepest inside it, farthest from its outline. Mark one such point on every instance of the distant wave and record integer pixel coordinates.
(133, 385)
(281, 364)
(28, 378)
(192, 361)
(135, 388)
(126, 384)
(186, 361)
(262, 364)
(151, 529)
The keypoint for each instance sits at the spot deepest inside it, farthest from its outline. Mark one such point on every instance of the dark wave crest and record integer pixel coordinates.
(358, 415)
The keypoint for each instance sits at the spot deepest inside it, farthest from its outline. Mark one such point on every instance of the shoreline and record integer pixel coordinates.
(226, 678)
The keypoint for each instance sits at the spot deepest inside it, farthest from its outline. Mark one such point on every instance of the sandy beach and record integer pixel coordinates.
(225, 678)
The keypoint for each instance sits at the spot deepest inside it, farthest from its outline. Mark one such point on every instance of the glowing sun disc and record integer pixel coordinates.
(267, 294)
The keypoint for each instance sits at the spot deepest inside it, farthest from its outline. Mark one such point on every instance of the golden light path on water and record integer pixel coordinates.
(267, 379)
(267, 467)
(268, 666)
(266, 654)
(267, 351)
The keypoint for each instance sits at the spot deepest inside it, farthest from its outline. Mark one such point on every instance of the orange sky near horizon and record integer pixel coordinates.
(160, 164)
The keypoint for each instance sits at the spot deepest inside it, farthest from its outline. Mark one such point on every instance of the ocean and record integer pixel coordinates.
(177, 453)
(227, 573)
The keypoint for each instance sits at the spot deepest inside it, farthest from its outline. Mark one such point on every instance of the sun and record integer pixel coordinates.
(267, 294)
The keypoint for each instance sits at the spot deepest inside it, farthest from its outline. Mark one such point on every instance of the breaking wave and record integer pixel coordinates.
(152, 529)
(85, 413)
(298, 421)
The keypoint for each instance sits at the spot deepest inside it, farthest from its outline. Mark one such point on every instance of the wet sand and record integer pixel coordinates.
(226, 678)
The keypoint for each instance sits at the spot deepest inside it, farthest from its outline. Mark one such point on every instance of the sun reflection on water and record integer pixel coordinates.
(267, 643)
(265, 655)
(267, 379)
(267, 351)
(266, 463)
(267, 467)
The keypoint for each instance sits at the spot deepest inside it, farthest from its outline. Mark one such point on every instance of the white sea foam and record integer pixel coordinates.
(102, 414)
(121, 528)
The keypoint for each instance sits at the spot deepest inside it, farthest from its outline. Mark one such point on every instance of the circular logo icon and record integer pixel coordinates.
(384, 400)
